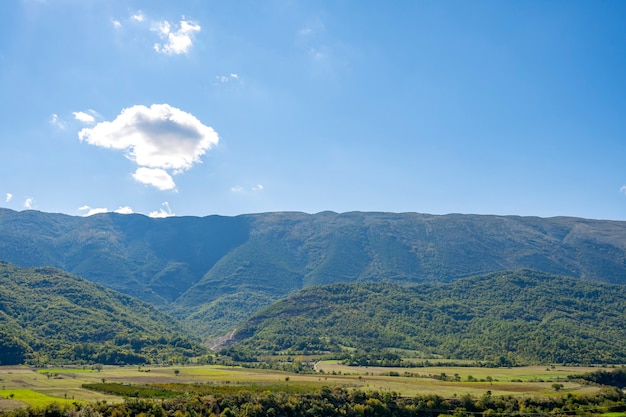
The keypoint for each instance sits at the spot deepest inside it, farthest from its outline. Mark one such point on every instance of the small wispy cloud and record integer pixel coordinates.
(138, 16)
(223, 79)
(162, 213)
(176, 40)
(84, 117)
(55, 120)
(90, 211)
(29, 203)
(9, 197)
(623, 189)
(116, 23)
(239, 189)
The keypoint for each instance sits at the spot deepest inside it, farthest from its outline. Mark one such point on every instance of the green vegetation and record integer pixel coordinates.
(215, 272)
(503, 319)
(329, 401)
(616, 378)
(33, 398)
(49, 316)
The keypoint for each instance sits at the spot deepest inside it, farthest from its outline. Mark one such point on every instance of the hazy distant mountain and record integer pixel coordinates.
(216, 271)
(48, 315)
(503, 317)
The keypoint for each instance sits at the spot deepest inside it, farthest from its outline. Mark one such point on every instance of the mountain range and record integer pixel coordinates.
(215, 272)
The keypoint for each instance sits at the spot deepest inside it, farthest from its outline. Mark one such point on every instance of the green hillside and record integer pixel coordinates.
(213, 272)
(521, 317)
(47, 315)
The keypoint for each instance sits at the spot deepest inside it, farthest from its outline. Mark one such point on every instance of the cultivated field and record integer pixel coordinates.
(22, 386)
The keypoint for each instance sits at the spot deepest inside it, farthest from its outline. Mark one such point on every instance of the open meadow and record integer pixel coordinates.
(22, 386)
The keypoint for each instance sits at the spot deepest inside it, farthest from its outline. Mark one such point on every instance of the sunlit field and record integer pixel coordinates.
(24, 386)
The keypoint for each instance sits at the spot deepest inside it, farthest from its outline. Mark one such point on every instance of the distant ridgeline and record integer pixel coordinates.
(47, 316)
(215, 272)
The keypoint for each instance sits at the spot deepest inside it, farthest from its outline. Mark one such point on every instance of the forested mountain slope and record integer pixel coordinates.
(48, 315)
(215, 271)
(520, 317)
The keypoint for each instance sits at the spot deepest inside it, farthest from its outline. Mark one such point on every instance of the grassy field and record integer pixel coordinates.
(40, 387)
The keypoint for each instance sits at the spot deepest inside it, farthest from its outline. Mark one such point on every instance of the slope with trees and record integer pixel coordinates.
(47, 316)
(204, 269)
(520, 317)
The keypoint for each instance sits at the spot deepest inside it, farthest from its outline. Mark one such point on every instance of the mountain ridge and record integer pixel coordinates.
(216, 271)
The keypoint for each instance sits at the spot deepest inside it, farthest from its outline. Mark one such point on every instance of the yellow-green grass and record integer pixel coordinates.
(64, 370)
(523, 381)
(524, 373)
(33, 398)
(615, 414)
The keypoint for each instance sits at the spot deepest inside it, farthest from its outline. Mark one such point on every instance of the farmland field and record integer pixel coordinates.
(33, 387)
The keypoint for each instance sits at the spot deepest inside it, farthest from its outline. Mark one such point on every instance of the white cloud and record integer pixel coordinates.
(227, 78)
(28, 203)
(161, 214)
(116, 23)
(240, 189)
(160, 137)
(9, 197)
(313, 28)
(90, 211)
(56, 121)
(138, 17)
(623, 189)
(84, 117)
(156, 177)
(124, 210)
(178, 41)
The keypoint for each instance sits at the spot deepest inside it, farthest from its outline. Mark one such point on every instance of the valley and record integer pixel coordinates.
(64, 385)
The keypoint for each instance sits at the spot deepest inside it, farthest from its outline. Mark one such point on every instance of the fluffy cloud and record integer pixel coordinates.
(116, 23)
(236, 189)
(156, 177)
(177, 41)
(157, 138)
(623, 189)
(28, 203)
(84, 117)
(162, 213)
(124, 210)
(9, 197)
(257, 187)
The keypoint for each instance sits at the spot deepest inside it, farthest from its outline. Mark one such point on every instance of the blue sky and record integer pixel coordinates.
(200, 107)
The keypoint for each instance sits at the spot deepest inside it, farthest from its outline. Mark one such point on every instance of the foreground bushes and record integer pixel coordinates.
(339, 402)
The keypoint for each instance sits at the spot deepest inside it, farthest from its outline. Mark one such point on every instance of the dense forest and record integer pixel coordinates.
(507, 318)
(49, 316)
